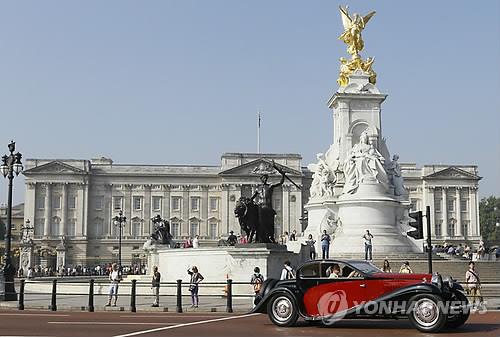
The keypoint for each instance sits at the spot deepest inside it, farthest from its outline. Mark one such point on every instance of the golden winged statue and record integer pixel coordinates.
(353, 26)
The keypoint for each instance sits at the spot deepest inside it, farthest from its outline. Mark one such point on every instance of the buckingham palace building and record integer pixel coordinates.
(77, 199)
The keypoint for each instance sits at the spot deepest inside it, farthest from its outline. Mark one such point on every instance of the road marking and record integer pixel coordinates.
(184, 324)
(173, 316)
(49, 315)
(112, 323)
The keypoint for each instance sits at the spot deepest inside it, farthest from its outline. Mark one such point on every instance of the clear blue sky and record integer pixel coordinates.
(180, 82)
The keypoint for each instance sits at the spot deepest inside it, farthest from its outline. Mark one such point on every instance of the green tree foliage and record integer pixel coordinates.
(489, 217)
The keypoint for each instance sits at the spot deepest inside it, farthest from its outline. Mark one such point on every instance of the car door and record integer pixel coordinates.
(332, 295)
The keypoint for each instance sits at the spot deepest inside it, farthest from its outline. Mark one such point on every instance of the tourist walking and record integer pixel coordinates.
(473, 285)
(287, 272)
(405, 268)
(368, 244)
(311, 245)
(155, 285)
(256, 281)
(115, 276)
(386, 268)
(196, 278)
(325, 245)
(196, 242)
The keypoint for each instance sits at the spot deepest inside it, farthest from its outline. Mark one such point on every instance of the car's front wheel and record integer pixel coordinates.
(282, 310)
(426, 313)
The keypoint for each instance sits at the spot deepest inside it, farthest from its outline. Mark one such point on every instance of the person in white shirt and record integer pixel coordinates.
(115, 277)
(473, 284)
(196, 242)
(367, 238)
(287, 272)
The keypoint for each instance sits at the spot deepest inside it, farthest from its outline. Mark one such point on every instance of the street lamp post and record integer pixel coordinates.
(11, 167)
(119, 221)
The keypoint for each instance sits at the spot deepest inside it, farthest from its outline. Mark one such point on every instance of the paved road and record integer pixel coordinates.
(122, 324)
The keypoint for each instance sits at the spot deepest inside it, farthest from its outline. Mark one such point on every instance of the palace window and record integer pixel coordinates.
(71, 227)
(214, 203)
(451, 227)
(54, 226)
(451, 205)
(195, 203)
(195, 229)
(117, 203)
(99, 202)
(72, 202)
(213, 231)
(176, 230)
(56, 202)
(438, 225)
(437, 205)
(156, 203)
(40, 202)
(463, 205)
(99, 229)
(136, 229)
(176, 203)
(38, 228)
(137, 203)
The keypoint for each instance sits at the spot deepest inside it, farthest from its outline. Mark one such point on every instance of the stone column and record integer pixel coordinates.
(224, 209)
(85, 210)
(64, 210)
(127, 212)
(185, 224)
(458, 212)
(166, 202)
(444, 213)
(146, 230)
(47, 210)
(30, 203)
(204, 230)
(474, 214)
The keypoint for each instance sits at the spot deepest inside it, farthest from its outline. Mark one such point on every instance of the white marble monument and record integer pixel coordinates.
(356, 186)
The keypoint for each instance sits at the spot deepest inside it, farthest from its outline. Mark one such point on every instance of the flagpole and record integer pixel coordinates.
(258, 132)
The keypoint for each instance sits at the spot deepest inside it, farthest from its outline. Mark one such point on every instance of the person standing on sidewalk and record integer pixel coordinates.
(115, 276)
(473, 285)
(368, 244)
(155, 285)
(196, 278)
(325, 245)
(256, 281)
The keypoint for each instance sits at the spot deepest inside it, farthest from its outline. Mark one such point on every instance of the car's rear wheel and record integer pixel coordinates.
(282, 310)
(457, 320)
(426, 314)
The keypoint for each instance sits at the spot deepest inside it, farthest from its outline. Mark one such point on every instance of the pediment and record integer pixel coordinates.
(452, 172)
(258, 167)
(54, 167)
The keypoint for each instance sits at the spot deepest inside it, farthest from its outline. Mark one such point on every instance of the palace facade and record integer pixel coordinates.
(78, 199)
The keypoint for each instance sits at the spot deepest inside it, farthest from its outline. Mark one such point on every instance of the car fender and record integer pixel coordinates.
(261, 307)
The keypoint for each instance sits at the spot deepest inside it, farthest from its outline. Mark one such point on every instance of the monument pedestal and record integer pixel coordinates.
(221, 263)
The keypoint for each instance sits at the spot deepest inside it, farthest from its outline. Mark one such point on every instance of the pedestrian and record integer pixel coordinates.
(196, 241)
(473, 285)
(196, 278)
(368, 244)
(293, 236)
(115, 277)
(256, 281)
(30, 273)
(325, 245)
(287, 272)
(232, 239)
(311, 246)
(386, 268)
(405, 268)
(155, 285)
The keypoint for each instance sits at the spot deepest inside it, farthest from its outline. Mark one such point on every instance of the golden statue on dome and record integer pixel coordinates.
(353, 26)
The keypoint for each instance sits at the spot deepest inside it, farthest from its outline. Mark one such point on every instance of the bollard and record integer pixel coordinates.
(229, 305)
(179, 296)
(21, 296)
(91, 295)
(53, 305)
(132, 296)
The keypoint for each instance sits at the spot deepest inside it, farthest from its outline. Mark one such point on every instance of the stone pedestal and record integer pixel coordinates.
(220, 263)
(26, 257)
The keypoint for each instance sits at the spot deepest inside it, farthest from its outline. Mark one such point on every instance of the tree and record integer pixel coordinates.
(489, 219)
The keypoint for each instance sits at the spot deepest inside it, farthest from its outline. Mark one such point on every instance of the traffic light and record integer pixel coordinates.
(418, 232)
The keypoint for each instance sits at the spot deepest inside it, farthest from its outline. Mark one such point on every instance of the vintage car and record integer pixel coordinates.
(329, 290)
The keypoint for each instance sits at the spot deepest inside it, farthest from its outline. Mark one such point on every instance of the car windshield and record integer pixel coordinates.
(365, 267)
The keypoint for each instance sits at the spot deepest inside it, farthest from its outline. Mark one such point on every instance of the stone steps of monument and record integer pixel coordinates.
(389, 256)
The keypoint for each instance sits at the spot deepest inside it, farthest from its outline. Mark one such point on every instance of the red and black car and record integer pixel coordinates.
(329, 290)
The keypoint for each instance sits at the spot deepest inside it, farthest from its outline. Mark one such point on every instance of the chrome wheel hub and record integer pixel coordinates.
(426, 312)
(282, 309)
